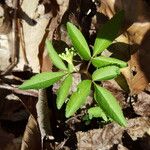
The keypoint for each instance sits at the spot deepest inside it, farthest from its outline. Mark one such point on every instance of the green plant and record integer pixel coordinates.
(106, 68)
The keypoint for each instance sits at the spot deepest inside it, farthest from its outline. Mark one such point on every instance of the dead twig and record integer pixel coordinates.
(43, 116)
(32, 93)
(15, 45)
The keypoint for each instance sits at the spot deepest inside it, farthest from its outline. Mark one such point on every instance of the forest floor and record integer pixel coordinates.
(24, 28)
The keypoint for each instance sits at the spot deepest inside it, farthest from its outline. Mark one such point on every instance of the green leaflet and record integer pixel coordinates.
(56, 60)
(97, 112)
(78, 98)
(78, 41)
(105, 73)
(63, 91)
(42, 80)
(103, 61)
(109, 105)
(108, 33)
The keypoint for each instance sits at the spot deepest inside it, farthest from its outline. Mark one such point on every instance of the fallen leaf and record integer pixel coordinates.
(6, 138)
(4, 52)
(135, 77)
(142, 105)
(112, 134)
(31, 138)
(33, 32)
(136, 18)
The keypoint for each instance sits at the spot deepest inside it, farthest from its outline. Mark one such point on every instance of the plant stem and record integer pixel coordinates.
(89, 63)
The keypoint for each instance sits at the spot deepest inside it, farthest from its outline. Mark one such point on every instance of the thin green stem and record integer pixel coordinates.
(89, 63)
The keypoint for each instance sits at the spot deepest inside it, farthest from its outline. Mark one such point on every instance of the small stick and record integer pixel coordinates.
(15, 45)
(32, 93)
(22, 42)
(43, 116)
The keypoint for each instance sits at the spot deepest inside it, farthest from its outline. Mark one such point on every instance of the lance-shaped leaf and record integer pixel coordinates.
(78, 98)
(106, 73)
(78, 41)
(103, 61)
(56, 60)
(42, 80)
(109, 105)
(108, 33)
(63, 91)
(96, 112)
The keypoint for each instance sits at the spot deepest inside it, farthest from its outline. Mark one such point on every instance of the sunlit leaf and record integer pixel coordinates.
(108, 33)
(56, 60)
(106, 73)
(109, 105)
(78, 98)
(42, 80)
(78, 41)
(63, 91)
(96, 112)
(103, 61)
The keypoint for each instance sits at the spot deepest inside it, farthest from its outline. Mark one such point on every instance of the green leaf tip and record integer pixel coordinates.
(106, 73)
(109, 105)
(97, 112)
(103, 61)
(63, 91)
(78, 98)
(56, 60)
(108, 33)
(78, 41)
(42, 80)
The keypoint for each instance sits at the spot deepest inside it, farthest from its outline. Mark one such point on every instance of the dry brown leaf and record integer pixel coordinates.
(58, 10)
(4, 52)
(144, 55)
(6, 138)
(112, 134)
(135, 77)
(137, 26)
(14, 145)
(137, 74)
(139, 80)
(31, 139)
(33, 34)
(142, 104)
(140, 11)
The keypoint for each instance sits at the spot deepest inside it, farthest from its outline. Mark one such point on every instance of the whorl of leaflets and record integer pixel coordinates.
(106, 69)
